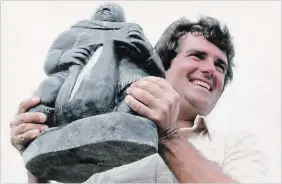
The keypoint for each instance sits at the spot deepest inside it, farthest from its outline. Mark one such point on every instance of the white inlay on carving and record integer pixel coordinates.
(86, 70)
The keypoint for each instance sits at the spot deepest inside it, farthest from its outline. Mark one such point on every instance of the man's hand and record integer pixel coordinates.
(155, 99)
(26, 125)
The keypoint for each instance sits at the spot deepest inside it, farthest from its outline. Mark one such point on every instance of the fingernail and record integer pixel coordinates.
(42, 117)
(126, 99)
(128, 90)
(133, 84)
(44, 127)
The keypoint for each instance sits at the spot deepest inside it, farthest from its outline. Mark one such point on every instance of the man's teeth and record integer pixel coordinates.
(201, 83)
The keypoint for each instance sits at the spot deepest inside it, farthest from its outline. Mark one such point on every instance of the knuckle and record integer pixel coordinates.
(158, 79)
(13, 122)
(165, 109)
(142, 83)
(23, 103)
(138, 107)
(31, 134)
(176, 97)
(136, 83)
(139, 93)
(130, 101)
(169, 103)
(155, 117)
(17, 141)
(27, 137)
(145, 83)
(158, 116)
(23, 127)
(13, 131)
(22, 106)
(22, 117)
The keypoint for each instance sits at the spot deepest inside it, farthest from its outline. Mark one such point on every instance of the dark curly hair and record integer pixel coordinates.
(210, 28)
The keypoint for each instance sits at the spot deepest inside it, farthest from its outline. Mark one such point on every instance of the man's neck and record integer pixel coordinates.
(185, 123)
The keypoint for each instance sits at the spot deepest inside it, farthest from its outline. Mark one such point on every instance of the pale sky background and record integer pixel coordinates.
(252, 101)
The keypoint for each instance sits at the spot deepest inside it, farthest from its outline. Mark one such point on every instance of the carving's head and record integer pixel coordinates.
(111, 12)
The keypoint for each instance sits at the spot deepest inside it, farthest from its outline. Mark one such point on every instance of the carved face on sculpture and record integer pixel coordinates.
(111, 12)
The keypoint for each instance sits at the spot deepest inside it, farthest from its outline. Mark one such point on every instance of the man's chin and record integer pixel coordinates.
(200, 105)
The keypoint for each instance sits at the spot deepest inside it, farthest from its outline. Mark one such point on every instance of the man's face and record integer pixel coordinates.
(197, 73)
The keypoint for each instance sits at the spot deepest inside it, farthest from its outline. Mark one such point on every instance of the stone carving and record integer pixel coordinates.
(89, 67)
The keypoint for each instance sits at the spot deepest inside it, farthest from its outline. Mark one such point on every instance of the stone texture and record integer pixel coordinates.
(92, 130)
(76, 151)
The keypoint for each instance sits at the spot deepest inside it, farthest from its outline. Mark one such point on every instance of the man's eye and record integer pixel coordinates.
(196, 56)
(221, 68)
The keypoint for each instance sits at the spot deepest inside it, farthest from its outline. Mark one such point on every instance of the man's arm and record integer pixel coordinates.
(160, 103)
(153, 98)
(188, 165)
(244, 160)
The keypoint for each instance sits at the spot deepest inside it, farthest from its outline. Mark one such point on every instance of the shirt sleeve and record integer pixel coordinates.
(245, 160)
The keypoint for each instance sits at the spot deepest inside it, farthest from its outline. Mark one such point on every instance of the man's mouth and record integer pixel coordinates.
(202, 84)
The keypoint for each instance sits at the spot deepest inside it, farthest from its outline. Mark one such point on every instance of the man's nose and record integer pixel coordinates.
(208, 69)
(209, 74)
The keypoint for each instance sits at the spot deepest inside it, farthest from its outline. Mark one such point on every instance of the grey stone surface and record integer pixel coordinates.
(93, 130)
(90, 145)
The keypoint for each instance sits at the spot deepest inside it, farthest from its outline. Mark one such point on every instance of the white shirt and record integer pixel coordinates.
(237, 153)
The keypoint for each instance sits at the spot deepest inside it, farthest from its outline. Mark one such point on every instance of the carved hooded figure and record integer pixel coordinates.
(89, 68)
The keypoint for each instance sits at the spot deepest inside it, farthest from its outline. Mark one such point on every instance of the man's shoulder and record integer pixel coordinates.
(244, 155)
(234, 137)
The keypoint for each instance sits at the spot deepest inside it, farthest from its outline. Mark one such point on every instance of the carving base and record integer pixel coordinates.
(75, 152)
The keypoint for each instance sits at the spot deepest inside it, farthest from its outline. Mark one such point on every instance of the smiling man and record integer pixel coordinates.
(198, 58)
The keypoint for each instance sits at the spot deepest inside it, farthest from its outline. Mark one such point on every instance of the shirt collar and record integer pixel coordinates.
(201, 126)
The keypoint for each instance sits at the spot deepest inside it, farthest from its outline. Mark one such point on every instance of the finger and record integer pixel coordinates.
(29, 117)
(137, 106)
(149, 86)
(162, 83)
(142, 95)
(22, 139)
(22, 128)
(28, 103)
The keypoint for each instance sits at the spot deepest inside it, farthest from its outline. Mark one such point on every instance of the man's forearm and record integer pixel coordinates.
(188, 165)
